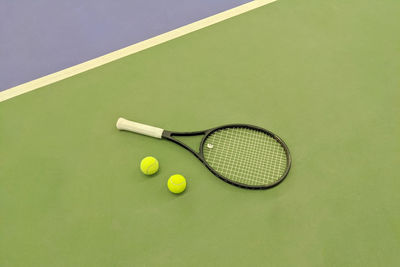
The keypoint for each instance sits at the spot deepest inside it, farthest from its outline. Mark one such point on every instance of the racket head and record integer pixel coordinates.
(245, 155)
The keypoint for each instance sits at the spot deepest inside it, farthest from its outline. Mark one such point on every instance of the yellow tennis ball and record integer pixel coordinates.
(176, 183)
(149, 165)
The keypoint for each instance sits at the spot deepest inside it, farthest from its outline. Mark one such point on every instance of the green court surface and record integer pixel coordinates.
(323, 75)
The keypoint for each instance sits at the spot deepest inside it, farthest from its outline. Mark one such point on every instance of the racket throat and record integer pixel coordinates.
(189, 140)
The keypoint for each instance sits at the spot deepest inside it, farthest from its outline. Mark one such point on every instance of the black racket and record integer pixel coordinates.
(243, 155)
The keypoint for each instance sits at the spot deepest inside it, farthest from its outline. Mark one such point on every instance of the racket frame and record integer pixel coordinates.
(169, 135)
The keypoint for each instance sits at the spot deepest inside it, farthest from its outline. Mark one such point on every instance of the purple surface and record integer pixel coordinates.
(44, 36)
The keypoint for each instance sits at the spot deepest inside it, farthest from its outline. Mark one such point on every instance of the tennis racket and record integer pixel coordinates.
(243, 155)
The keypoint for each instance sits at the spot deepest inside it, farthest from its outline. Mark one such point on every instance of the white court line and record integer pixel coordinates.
(129, 50)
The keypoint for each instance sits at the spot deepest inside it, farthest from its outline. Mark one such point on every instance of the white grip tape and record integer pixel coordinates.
(126, 125)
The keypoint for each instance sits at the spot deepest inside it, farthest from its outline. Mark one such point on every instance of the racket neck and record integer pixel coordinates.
(170, 136)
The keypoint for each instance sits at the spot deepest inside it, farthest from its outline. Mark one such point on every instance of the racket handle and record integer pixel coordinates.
(126, 125)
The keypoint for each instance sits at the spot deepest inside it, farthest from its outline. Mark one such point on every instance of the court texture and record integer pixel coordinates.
(323, 75)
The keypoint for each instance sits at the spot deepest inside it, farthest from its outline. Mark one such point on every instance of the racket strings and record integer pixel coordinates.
(246, 156)
(240, 158)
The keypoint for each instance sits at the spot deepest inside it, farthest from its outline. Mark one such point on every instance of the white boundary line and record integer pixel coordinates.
(129, 50)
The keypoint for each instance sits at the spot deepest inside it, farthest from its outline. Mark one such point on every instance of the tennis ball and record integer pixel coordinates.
(176, 183)
(149, 165)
